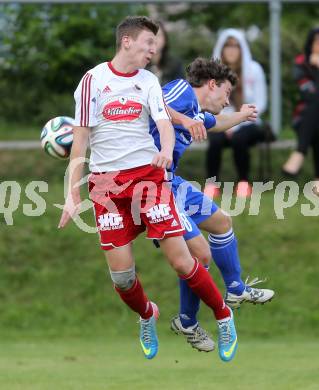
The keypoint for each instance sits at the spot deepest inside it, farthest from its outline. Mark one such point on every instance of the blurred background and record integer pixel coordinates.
(61, 324)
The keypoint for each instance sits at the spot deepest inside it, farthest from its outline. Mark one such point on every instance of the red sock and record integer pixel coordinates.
(136, 299)
(201, 282)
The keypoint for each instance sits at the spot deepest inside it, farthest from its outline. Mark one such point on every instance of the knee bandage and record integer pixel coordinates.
(123, 280)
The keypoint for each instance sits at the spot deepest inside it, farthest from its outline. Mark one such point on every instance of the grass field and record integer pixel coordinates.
(13, 132)
(63, 327)
(98, 364)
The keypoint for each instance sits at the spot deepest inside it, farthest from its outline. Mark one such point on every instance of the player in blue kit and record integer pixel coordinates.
(202, 97)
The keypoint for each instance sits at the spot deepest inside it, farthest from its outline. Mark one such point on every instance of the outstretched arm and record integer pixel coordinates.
(196, 128)
(248, 112)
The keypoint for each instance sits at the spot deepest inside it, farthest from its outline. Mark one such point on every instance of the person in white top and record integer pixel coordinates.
(127, 185)
(232, 48)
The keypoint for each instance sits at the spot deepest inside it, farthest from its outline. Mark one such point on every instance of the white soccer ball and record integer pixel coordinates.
(57, 137)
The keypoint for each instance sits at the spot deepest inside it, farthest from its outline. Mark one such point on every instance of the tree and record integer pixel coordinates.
(47, 48)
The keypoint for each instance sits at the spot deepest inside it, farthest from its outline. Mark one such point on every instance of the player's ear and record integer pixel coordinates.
(126, 42)
(212, 84)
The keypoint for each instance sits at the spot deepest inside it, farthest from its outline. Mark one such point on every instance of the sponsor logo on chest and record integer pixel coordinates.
(122, 109)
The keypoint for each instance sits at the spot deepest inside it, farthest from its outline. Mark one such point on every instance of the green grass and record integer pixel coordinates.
(103, 363)
(16, 132)
(63, 327)
(55, 282)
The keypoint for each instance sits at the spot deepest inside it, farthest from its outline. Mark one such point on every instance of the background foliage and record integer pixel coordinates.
(61, 324)
(45, 49)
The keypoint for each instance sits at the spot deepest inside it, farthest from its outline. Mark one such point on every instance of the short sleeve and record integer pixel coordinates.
(179, 95)
(158, 109)
(85, 102)
(209, 120)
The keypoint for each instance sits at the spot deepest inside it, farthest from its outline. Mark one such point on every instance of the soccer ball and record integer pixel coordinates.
(57, 137)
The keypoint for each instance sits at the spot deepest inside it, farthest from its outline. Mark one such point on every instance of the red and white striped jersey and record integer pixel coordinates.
(117, 107)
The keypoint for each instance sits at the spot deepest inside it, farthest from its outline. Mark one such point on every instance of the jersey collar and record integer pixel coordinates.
(117, 73)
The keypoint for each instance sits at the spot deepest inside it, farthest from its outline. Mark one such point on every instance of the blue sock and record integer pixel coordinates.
(224, 252)
(189, 304)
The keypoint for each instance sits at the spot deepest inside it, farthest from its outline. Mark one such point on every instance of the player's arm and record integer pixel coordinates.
(164, 158)
(77, 158)
(196, 128)
(85, 118)
(161, 116)
(248, 112)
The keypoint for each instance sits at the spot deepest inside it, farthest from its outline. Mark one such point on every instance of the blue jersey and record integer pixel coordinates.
(179, 95)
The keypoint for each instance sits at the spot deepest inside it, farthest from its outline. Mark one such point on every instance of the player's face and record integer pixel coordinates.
(218, 98)
(142, 49)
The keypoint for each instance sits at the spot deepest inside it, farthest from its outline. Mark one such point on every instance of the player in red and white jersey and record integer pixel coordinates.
(127, 185)
(117, 107)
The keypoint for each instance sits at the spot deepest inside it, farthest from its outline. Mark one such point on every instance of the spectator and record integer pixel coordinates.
(164, 65)
(233, 50)
(305, 117)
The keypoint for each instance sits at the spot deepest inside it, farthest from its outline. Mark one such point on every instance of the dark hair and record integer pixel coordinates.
(165, 52)
(202, 70)
(132, 26)
(310, 38)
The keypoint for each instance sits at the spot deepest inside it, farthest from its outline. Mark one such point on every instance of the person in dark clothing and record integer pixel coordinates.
(305, 116)
(164, 65)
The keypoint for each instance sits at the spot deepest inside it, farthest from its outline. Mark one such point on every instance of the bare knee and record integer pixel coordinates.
(219, 223)
(226, 224)
(182, 266)
(204, 258)
(177, 254)
(202, 253)
(223, 223)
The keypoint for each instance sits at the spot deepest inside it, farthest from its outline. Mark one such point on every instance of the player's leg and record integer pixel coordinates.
(224, 251)
(163, 223)
(127, 285)
(190, 198)
(202, 284)
(117, 231)
(122, 270)
(208, 216)
(186, 322)
(222, 242)
(189, 301)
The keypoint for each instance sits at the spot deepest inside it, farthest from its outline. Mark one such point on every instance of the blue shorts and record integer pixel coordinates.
(194, 207)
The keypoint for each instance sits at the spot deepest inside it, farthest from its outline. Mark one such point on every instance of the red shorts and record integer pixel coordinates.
(129, 201)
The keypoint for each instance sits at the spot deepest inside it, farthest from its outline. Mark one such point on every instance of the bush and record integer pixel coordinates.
(47, 49)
